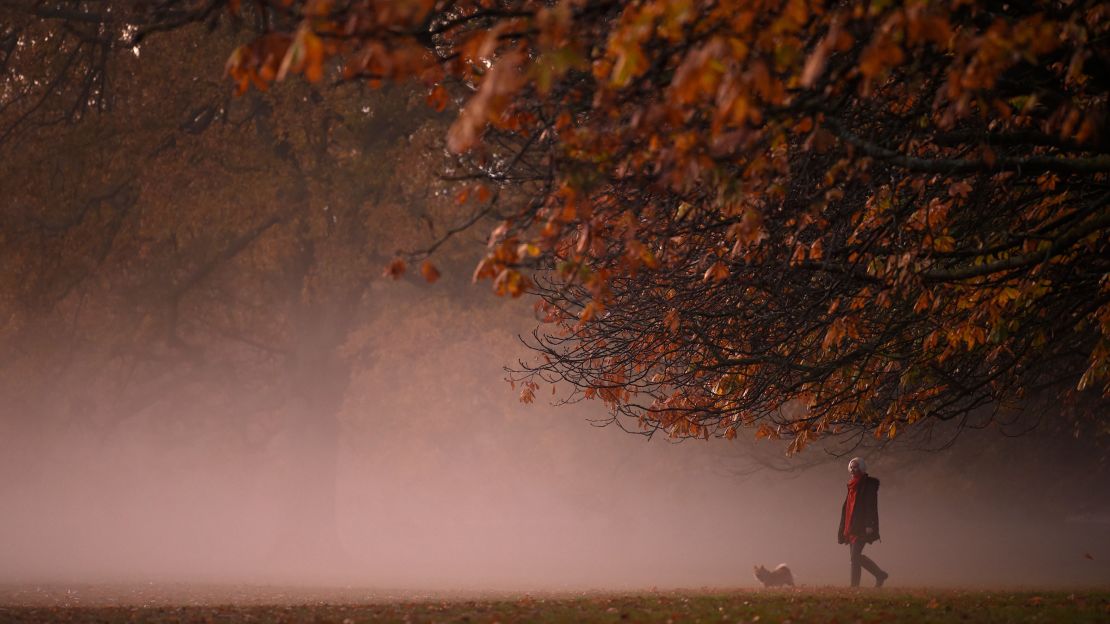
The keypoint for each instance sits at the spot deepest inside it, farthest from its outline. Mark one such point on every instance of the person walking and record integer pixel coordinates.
(859, 520)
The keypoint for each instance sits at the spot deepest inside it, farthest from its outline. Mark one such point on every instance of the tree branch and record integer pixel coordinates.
(1028, 165)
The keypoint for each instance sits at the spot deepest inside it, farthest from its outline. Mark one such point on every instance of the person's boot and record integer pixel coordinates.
(881, 578)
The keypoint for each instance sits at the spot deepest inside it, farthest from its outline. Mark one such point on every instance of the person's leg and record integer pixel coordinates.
(867, 564)
(855, 550)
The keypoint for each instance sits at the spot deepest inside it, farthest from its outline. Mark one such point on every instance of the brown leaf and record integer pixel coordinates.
(815, 64)
(395, 269)
(495, 94)
(959, 189)
(671, 320)
(438, 98)
(718, 272)
(429, 271)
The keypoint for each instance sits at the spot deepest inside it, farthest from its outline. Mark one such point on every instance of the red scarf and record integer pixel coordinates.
(850, 504)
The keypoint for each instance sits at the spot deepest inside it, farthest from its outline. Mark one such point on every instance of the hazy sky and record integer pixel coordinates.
(443, 480)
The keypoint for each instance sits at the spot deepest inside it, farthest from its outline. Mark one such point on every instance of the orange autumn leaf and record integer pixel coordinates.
(429, 271)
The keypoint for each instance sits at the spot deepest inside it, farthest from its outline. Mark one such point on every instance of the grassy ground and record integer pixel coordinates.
(804, 605)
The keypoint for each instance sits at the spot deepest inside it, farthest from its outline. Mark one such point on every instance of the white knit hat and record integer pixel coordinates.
(858, 461)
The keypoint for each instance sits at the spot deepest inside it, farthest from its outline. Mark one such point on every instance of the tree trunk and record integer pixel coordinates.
(308, 545)
(316, 381)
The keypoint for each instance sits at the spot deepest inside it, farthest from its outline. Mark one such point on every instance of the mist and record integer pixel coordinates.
(444, 481)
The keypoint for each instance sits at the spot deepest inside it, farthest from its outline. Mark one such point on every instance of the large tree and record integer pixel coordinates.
(800, 216)
(175, 254)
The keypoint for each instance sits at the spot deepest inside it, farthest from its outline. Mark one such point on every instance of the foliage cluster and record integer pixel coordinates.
(799, 216)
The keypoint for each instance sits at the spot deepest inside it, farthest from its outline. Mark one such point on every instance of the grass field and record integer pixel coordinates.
(798, 606)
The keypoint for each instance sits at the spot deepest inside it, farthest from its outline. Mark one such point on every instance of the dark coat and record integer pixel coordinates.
(865, 514)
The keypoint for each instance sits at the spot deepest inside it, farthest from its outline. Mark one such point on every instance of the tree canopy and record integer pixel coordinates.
(204, 264)
(798, 216)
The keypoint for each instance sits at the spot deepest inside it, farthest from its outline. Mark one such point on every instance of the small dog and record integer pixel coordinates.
(774, 578)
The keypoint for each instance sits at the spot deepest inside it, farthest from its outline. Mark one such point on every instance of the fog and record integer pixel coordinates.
(443, 481)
